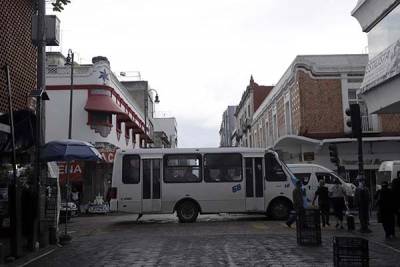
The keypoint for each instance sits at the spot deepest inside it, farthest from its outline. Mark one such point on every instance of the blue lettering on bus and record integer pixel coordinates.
(236, 188)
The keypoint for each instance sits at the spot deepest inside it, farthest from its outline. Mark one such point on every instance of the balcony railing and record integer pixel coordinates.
(371, 124)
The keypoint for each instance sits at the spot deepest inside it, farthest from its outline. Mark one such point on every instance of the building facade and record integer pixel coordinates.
(251, 99)
(16, 33)
(227, 127)
(305, 112)
(167, 128)
(381, 20)
(105, 113)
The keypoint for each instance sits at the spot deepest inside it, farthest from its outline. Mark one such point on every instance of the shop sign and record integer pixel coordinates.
(108, 156)
(381, 68)
(75, 171)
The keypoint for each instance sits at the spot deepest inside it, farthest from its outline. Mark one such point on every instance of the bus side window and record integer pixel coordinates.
(131, 169)
(327, 177)
(274, 171)
(183, 168)
(304, 177)
(222, 167)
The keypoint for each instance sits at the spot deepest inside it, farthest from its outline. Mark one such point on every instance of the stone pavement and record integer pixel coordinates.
(227, 240)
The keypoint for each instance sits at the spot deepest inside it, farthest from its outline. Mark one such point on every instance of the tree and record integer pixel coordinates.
(58, 5)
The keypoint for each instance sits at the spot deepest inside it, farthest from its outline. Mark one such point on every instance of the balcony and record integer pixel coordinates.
(371, 124)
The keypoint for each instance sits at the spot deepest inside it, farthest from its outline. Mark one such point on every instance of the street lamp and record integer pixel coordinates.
(146, 107)
(69, 61)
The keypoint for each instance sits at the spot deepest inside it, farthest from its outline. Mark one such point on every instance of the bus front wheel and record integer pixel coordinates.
(187, 212)
(279, 209)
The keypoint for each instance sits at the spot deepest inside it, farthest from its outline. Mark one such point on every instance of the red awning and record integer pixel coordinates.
(102, 103)
(123, 117)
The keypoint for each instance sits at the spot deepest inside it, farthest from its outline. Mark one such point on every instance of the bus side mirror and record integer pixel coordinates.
(398, 174)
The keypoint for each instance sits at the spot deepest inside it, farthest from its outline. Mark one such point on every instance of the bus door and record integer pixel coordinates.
(129, 191)
(151, 189)
(254, 184)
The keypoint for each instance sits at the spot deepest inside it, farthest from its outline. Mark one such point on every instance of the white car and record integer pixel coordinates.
(311, 174)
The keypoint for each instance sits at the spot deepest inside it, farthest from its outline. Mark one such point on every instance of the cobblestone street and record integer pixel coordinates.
(217, 240)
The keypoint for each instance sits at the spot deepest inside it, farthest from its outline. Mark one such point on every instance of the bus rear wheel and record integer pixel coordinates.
(279, 209)
(187, 212)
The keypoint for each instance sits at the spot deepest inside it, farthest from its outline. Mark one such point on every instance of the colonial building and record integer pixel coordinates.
(105, 112)
(249, 103)
(381, 20)
(227, 127)
(305, 112)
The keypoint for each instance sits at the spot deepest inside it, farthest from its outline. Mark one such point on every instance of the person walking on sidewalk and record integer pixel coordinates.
(323, 202)
(396, 193)
(337, 196)
(298, 203)
(387, 206)
(362, 199)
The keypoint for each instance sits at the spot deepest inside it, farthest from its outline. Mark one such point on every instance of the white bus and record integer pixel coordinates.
(205, 180)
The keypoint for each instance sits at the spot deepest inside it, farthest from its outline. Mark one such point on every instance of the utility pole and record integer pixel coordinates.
(14, 187)
(41, 86)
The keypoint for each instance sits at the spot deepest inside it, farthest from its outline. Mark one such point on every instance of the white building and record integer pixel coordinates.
(104, 113)
(380, 19)
(170, 127)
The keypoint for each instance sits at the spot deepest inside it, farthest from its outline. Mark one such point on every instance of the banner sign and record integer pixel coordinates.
(75, 171)
(108, 156)
(381, 68)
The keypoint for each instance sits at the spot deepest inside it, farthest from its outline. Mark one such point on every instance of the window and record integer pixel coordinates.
(327, 177)
(131, 169)
(100, 118)
(303, 177)
(249, 177)
(274, 171)
(182, 168)
(222, 168)
(156, 178)
(384, 33)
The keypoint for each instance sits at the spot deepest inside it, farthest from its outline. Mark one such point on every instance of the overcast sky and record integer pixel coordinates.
(199, 55)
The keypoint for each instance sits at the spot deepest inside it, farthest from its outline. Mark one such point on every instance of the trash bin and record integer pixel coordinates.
(350, 251)
(308, 228)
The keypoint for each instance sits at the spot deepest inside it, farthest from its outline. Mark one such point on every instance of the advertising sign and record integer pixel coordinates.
(381, 68)
(75, 171)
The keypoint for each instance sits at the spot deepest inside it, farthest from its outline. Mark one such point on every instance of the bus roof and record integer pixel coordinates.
(192, 150)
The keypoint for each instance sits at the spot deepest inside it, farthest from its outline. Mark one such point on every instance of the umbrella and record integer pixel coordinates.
(69, 149)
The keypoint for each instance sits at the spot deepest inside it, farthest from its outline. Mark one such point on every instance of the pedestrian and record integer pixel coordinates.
(75, 197)
(362, 199)
(387, 206)
(323, 202)
(338, 195)
(298, 204)
(396, 193)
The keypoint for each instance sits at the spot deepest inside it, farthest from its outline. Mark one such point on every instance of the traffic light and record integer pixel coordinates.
(333, 154)
(354, 122)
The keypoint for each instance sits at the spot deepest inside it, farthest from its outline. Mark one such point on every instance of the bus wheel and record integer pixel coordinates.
(187, 212)
(279, 209)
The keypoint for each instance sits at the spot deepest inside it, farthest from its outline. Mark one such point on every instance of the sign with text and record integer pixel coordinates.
(381, 68)
(75, 171)
(108, 156)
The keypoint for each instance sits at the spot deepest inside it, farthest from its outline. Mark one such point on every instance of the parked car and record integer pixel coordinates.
(311, 174)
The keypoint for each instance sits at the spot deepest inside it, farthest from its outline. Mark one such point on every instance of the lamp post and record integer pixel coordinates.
(146, 105)
(65, 238)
